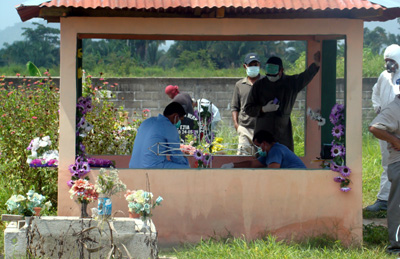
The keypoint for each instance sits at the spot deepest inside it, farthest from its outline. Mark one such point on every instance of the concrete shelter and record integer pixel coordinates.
(251, 202)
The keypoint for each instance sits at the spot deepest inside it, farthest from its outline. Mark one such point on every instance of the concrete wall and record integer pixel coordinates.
(137, 94)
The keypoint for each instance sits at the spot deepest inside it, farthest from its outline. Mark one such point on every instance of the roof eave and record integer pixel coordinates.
(53, 14)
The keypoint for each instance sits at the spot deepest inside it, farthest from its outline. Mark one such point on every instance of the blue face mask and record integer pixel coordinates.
(253, 71)
(261, 152)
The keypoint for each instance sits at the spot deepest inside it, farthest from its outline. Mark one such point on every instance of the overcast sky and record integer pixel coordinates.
(9, 16)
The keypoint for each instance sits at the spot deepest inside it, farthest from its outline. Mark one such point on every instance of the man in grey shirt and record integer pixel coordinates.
(244, 124)
(386, 126)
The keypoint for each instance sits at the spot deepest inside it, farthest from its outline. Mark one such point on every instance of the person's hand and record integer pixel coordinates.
(227, 166)
(270, 107)
(317, 58)
(236, 126)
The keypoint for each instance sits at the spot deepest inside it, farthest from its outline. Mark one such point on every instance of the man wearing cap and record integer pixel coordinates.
(244, 124)
(271, 98)
(183, 98)
(383, 93)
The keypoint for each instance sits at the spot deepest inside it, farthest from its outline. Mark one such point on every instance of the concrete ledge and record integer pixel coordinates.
(72, 237)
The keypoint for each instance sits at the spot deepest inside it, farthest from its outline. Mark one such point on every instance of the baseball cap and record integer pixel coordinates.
(251, 57)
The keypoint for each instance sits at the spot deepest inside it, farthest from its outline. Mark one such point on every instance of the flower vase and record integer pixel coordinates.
(84, 213)
(37, 211)
(146, 225)
(28, 220)
(104, 206)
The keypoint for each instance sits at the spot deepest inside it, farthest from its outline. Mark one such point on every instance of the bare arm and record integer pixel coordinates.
(386, 136)
(235, 116)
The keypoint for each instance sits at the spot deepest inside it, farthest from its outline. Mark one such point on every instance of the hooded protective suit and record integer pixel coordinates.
(383, 93)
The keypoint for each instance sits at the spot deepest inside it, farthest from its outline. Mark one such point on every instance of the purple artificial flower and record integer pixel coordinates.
(70, 183)
(337, 108)
(338, 179)
(343, 151)
(338, 131)
(85, 167)
(30, 145)
(80, 107)
(198, 155)
(73, 169)
(79, 160)
(36, 162)
(337, 150)
(82, 147)
(345, 171)
(207, 159)
(52, 162)
(81, 172)
(334, 119)
(334, 167)
(81, 122)
(345, 189)
(196, 114)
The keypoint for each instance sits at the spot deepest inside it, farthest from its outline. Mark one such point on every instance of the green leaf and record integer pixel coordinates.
(32, 69)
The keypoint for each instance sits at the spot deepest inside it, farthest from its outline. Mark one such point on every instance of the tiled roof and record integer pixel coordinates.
(359, 9)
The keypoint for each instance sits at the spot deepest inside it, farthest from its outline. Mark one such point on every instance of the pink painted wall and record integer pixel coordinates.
(287, 203)
(253, 202)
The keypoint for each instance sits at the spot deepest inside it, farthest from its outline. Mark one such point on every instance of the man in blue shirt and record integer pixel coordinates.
(158, 137)
(272, 154)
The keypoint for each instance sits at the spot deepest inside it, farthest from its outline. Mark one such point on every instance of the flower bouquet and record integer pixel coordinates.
(26, 205)
(41, 155)
(203, 160)
(141, 202)
(84, 192)
(107, 184)
(338, 150)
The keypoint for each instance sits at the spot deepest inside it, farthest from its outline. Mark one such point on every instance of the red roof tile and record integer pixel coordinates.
(359, 9)
(165, 4)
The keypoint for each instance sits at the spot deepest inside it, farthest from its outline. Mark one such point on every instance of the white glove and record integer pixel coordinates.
(270, 107)
(227, 166)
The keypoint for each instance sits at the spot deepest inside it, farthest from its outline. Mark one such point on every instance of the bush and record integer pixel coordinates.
(27, 111)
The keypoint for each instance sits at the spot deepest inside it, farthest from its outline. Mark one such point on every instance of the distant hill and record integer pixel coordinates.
(13, 33)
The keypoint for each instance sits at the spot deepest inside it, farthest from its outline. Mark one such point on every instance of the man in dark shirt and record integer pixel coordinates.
(272, 98)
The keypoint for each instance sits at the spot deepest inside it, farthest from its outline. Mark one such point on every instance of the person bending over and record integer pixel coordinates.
(272, 154)
(158, 137)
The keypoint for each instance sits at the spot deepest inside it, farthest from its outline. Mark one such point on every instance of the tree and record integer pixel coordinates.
(41, 46)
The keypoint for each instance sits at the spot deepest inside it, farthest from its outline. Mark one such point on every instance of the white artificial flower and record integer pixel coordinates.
(47, 140)
(35, 144)
(52, 154)
(19, 198)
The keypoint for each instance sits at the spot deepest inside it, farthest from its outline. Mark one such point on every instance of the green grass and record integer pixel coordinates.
(371, 168)
(270, 247)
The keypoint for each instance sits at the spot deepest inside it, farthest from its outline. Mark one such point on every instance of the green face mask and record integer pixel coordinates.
(178, 124)
(272, 69)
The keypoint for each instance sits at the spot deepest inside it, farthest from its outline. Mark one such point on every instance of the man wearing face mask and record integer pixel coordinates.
(272, 98)
(383, 93)
(244, 124)
(272, 154)
(158, 137)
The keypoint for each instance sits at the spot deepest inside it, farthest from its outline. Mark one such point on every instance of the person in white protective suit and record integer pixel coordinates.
(383, 93)
(216, 116)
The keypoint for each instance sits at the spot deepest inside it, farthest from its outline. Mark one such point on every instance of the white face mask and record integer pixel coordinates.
(274, 78)
(252, 71)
